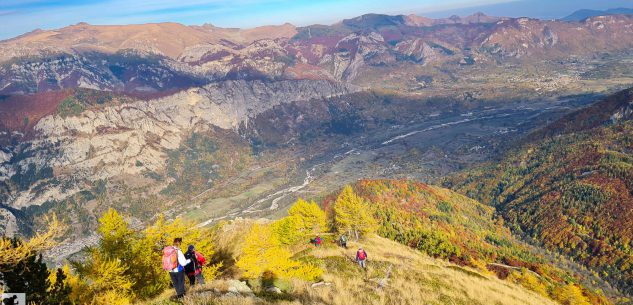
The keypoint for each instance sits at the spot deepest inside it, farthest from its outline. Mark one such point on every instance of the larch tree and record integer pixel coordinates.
(11, 254)
(352, 214)
(132, 258)
(263, 254)
(310, 219)
(304, 219)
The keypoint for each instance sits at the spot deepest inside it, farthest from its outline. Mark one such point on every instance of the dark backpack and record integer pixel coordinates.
(191, 267)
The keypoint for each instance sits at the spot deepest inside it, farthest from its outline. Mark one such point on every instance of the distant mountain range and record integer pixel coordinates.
(584, 14)
(153, 58)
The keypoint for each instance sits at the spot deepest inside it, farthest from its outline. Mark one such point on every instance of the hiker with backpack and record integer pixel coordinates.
(174, 261)
(361, 258)
(343, 241)
(194, 268)
(317, 241)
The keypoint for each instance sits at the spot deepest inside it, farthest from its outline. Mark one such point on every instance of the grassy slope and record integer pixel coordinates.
(463, 228)
(572, 192)
(445, 224)
(414, 279)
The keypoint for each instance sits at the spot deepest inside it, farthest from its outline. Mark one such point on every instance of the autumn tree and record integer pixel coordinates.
(59, 292)
(29, 276)
(570, 294)
(530, 280)
(107, 279)
(131, 258)
(263, 253)
(285, 230)
(352, 214)
(310, 217)
(11, 254)
(304, 219)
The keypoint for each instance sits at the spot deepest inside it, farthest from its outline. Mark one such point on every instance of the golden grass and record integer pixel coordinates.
(415, 279)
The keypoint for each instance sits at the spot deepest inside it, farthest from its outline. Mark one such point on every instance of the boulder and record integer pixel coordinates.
(273, 289)
(239, 287)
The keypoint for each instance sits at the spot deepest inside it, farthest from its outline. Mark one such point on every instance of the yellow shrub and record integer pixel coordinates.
(110, 298)
(570, 294)
(530, 281)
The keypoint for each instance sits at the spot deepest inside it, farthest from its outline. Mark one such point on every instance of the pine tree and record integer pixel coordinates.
(352, 214)
(29, 276)
(59, 293)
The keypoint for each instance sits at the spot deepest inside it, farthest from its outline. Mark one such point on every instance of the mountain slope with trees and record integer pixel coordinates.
(441, 244)
(569, 187)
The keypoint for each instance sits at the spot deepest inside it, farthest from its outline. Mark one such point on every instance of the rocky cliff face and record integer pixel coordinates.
(132, 137)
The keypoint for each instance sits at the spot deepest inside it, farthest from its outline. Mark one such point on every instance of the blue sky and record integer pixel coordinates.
(20, 16)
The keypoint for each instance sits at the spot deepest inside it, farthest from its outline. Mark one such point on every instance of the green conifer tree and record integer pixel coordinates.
(29, 276)
(59, 293)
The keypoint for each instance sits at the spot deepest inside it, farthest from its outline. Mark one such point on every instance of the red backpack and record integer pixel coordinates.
(170, 258)
(362, 255)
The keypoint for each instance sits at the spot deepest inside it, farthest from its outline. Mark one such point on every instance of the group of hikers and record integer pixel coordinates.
(181, 264)
(190, 263)
(361, 255)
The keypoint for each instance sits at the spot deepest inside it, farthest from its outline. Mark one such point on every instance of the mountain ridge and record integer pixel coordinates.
(580, 15)
(171, 56)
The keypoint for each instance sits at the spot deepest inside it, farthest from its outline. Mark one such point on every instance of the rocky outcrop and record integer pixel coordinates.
(133, 137)
(624, 114)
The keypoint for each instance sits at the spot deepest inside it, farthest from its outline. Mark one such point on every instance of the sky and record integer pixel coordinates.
(21, 16)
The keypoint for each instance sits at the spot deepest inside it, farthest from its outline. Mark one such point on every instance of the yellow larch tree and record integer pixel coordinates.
(352, 214)
(263, 253)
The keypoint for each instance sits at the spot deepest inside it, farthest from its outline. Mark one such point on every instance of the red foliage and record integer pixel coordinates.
(14, 109)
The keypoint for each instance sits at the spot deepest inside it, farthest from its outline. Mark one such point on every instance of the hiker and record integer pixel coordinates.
(194, 268)
(317, 241)
(174, 261)
(343, 241)
(361, 258)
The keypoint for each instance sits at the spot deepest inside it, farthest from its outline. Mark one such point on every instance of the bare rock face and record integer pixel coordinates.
(8, 223)
(624, 114)
(109, 142)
